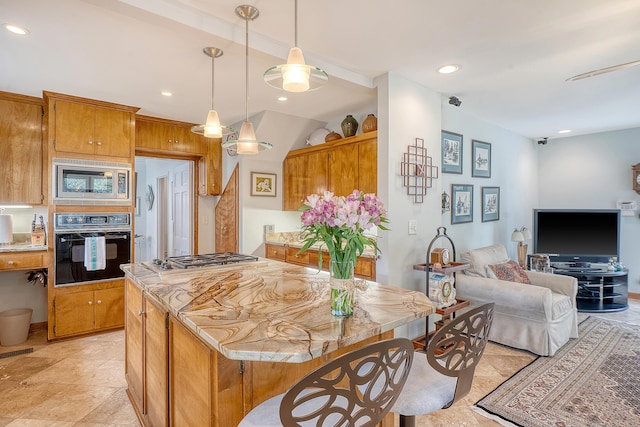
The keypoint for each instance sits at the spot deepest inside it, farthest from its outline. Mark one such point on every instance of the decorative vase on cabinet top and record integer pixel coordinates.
(332, 136)
(370, 123)
(349, 126)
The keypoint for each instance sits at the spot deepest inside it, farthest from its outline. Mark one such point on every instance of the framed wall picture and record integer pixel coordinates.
(481, 161)
(451, 152)
(490, 204)
(263, 184)
(461, 203)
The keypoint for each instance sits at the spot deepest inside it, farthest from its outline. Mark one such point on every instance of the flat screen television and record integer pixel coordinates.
(577, 237)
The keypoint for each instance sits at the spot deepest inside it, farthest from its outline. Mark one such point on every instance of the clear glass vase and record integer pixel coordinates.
(341, 282)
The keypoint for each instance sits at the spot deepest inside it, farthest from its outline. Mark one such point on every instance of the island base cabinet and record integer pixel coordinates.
(205, 387)
(147, 360)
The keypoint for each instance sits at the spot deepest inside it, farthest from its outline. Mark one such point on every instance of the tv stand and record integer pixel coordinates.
(599, 290)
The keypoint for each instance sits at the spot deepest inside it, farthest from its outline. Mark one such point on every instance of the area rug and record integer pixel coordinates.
(591, 381)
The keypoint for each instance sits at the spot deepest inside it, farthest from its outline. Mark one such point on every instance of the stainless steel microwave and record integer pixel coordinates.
(87, 182)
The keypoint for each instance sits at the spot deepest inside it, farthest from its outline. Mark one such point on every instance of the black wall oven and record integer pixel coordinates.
(75, 231)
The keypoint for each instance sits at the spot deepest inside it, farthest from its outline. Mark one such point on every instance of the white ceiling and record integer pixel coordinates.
(515, 56)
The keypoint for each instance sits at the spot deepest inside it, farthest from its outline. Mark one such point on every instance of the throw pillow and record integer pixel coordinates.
(509, 271)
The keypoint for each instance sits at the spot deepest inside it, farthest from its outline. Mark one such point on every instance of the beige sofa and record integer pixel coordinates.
(539, 317)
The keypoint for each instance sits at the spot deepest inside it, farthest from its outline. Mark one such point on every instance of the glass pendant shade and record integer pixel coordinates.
(295, 75)
(212, 128)
(246, 142)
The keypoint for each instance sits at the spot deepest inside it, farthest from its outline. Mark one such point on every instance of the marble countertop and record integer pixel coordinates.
(294, 239)
(273, 311)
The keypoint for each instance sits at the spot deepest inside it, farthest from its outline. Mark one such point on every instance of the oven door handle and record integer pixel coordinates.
(107, 237)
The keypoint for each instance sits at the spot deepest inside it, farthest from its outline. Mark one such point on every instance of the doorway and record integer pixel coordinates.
(164, 208)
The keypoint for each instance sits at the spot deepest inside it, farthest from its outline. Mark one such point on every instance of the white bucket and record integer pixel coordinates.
(14, 326)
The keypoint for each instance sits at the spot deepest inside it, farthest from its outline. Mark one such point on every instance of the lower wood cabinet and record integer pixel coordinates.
(365, 267)
(81, 309)
(147, 361)
(24, 260)
(175, 378)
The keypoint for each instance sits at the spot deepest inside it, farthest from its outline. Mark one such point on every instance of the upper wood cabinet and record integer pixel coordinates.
(339, 166)
(160, 135)
(210, 168)
(80, 127)
(21, 149)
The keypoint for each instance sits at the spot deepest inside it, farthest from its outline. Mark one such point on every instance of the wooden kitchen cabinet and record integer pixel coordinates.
(80, 127)
(21, 149)
(210, 168)
(161, 135)
(207, 389)
(147, 363)
(81, 309)
(303, 175)
(24, 260)
(365, 267)
(338, 166)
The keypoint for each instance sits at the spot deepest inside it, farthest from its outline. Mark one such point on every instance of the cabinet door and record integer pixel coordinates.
(156, 365)
(109, 305)
(275, 252)
(293, 185)
(153, 135)
(368, 167)
(303, 175)
(189, 380)
(210, 168)
(74, 128)
(184, 140)
(112, 133)
(74, 313)
(343, 170)
(21, 153)
(134, 364)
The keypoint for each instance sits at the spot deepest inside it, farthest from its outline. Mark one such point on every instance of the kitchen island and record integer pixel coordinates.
(238, 335)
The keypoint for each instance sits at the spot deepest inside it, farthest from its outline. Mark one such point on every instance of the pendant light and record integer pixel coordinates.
(212, 128)
(246, 142)
(295, 75)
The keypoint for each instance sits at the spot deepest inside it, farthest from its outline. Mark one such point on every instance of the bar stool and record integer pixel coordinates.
(447, 373)
(356, 389)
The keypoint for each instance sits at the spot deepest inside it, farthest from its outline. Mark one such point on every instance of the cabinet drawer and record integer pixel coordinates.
(314, 259)
(363, 267)
(275, 252)
(22, 261)
(293, 257)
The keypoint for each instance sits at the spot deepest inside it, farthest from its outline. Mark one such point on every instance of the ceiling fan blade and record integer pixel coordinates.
(603, 71)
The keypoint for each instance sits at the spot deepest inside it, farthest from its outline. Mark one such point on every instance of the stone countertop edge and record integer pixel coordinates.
(293, 329)
(22, 247)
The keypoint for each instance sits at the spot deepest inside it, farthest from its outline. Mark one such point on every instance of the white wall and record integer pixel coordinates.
(514, 168)
(594, 172)
(406, 111)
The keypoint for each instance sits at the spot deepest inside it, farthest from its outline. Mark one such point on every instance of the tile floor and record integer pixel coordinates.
(81, 382)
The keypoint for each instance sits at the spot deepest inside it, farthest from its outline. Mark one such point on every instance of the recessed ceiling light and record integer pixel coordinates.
(448, 69)
(564, 131)
(166, 93)
(16, 29)
(282, 98)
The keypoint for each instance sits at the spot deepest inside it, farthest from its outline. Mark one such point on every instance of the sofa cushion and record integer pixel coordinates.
(509, 271)
(478, 259)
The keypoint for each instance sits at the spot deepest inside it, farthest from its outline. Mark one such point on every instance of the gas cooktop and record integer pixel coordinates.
(202, 260)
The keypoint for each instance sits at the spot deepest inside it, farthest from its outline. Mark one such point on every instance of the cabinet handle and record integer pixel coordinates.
(169, 141)
(99, 142)
(99, 301)
(177, 142)
(140, 312)
(90, 142)
(90, 302)
(11, 262)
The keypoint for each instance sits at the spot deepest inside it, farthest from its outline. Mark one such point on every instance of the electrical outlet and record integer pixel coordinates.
(412, 226)
(269, 228)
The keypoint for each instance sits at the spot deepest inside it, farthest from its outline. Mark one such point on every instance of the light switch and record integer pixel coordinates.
(412, 226)
(269, 228)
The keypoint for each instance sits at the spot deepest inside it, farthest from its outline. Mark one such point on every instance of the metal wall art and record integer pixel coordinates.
(417, 171)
